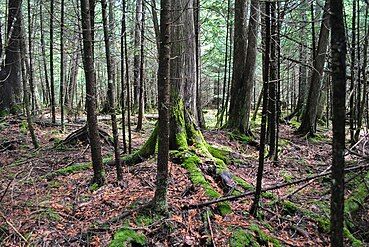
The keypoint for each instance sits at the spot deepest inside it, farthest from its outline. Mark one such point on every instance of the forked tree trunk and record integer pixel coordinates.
(308, 124)
(244, 71)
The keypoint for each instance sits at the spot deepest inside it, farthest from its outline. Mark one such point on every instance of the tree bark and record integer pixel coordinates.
(338, 54)
(160, 198)
(52, 85)
(141, 88)
(244, 72)
(137, 56)
(308, 124)
(10, 74)
(43, 50)
(111, 82)
(62, 80)
(90, 77)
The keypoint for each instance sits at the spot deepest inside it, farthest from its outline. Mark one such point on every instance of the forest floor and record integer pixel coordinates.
(46, 198)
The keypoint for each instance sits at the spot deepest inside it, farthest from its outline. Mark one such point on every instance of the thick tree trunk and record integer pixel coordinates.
(308, 124)
(10, 74)
(160, 198)
(338, 54)
(243, 73)
(90, 76)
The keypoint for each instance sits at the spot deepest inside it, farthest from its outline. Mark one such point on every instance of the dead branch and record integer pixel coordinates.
(274, 187)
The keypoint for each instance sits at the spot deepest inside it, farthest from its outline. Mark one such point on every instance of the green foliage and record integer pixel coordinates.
(23, 127)
(94, 187)
(51, 214)
(287, 176)
(127, 237)
(263, 238)
(241, 238)
(294, 123)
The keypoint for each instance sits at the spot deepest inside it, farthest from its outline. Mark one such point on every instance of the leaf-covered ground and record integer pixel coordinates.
(47, 200)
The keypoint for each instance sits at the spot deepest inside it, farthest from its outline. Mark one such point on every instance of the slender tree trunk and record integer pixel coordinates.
(266, 68)
(137, 56)
(128, 87)
(52, 85)
(122, 77)
(223, 105)
(90, 76)
(308, 124)
(156, 23)
(31, 81)
(62, 80)
(160, 198)
(338, 54)
(141, 101)
(272, 109)
(26, 94)
(43, 50)
(111, 82)
(352, 82)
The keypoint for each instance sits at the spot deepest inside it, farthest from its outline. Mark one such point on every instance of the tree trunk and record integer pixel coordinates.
(111, 82)
(52, 85)
(244, 72)
(43, 50)
(30, 58)
(266, 68)
(90, 77)
(338, 54)
(308, 124)
(10, 74)
(141, 88)
(62, 80)
(137, 56)
(160, 198)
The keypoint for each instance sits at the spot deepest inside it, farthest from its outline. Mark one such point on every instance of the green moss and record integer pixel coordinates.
(144, 152)
(236, 136)
(294, 123)
(54, 184)
(358, 197)
(318, 139)
(245, 185)
(220, 153)
(94, 187)
(146, 219)
(287, 176)
(289, 207)
(128, 237)
(241, 238)
(190, 163)
(354, 241)
(68, 170)
(263, 238)
(50, 214)
(23, 127)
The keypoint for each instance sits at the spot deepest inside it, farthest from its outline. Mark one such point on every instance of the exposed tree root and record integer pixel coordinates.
(81, 135)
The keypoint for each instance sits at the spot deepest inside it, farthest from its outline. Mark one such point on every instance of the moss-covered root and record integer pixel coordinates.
(147, 150)
(128, 237)
(191, 162)
(252, 236)
(68, 170)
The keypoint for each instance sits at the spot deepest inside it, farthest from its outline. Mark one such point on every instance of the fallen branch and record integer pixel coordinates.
(274, 187)
(13, 227)
(8, 186)
(357, 154)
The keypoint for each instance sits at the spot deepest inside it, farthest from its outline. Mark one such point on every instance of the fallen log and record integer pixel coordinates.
(273, 187)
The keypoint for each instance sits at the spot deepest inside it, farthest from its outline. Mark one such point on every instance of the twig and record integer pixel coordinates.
(304, 185)
(210, 228)
(13, 227)
(274, 187)
(8, 186)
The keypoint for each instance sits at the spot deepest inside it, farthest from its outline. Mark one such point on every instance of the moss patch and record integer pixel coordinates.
(128, 237)
(252, 236)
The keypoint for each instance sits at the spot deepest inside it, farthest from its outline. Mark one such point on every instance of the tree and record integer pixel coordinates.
(62, 61)
(111, 90)
(10, 74)
(243, 68)
(308, 124)
(52, 85)
(338, 54)
(141, 87)
(137, 54)
(160, 198)
(88, 62)
(266, 80)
